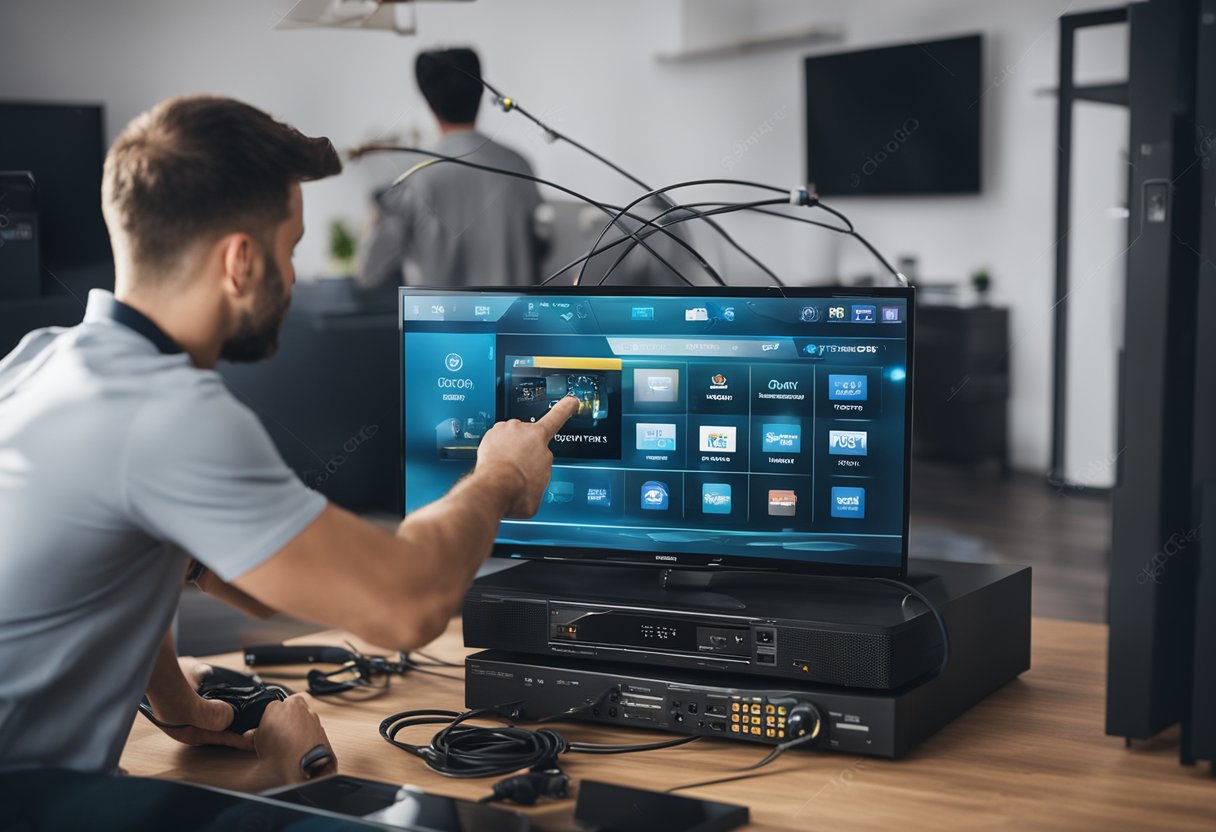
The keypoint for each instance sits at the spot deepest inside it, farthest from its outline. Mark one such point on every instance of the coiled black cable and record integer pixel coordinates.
(467, 751)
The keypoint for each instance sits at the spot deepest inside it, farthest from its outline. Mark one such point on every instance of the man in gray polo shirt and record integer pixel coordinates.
(123, 457)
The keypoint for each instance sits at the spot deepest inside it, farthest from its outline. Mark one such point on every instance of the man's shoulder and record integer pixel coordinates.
(105, 364)
(509, 157)
(478, 147)
(30, 347)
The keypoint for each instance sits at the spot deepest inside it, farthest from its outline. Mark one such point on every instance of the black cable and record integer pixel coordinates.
(848, 223)
(146, 709)
(507, 104)
(665, 189)
(433, 660)
(899, 276)
(698, 215)
(726, 210)
(849, 230)
(748, 772)
(382, 148)
(611, 244)
(415, 668)
(933, 609)
(807, 199)
(467, 751)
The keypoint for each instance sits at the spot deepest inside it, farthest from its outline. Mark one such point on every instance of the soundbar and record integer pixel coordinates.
(849, 633)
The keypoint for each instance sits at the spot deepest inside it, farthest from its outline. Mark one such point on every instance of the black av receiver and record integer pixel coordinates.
(878, 723)
(854, 633)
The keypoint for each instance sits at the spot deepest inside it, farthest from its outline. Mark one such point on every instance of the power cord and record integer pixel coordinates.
(748, 772)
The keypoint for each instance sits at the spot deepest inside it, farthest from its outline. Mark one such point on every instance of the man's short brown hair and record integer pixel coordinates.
(202, 166)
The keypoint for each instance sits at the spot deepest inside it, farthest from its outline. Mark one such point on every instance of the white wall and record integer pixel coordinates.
(588, 67)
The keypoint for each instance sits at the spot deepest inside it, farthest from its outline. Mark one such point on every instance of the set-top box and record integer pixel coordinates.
(845, 632)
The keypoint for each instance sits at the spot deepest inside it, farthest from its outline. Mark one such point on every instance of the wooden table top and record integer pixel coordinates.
(1031, 756)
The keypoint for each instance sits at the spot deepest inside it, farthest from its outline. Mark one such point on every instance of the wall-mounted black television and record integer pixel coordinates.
(63, 146)
(897, 120)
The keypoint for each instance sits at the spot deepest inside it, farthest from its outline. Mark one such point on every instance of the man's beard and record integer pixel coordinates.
(257, 333)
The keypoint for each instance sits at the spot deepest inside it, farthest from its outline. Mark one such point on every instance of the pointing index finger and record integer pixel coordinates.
(558, 415)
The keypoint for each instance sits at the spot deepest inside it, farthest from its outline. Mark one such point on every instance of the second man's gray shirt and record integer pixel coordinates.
(450, 225)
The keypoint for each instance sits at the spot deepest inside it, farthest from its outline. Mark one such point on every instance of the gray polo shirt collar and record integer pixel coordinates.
(103, 306)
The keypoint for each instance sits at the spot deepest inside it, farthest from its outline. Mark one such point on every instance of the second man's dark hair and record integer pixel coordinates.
(449, 80)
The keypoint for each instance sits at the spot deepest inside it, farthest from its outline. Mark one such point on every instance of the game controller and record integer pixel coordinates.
(247, 695)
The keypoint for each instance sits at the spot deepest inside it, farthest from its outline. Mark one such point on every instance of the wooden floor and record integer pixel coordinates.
(957, 514)
(979, 515)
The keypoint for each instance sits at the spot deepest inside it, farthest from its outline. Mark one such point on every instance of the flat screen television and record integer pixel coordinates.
(898, 120)
(743, 428)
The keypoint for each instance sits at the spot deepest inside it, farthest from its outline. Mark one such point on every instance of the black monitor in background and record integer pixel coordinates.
(63, 145)
(898, 120)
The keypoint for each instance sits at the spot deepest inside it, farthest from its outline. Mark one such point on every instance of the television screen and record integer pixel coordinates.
(733, 428)
(899, 120)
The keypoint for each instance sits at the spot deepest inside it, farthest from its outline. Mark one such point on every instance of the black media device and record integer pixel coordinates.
(902, 119)
(830, 631)
(19, 254)
(985, 607)
(989, 622)
(63, 146)
(741, 428)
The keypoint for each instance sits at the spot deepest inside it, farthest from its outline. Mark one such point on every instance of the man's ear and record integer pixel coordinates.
(237, 259)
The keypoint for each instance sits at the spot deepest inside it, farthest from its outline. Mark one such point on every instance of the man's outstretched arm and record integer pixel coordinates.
(398, 590)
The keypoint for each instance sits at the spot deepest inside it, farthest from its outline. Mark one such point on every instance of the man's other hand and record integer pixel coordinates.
(207, 720)
(522, 450)
(289, 730)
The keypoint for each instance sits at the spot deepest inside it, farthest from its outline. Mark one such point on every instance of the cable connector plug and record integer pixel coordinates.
(526, 789)
(804, 196)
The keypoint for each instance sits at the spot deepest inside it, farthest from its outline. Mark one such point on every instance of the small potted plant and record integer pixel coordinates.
(982, 283)
(341, 249)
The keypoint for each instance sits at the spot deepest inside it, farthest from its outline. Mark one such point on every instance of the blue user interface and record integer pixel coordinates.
(732, 427)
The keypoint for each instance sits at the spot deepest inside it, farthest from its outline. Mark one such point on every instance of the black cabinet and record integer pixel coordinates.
(961, 399)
